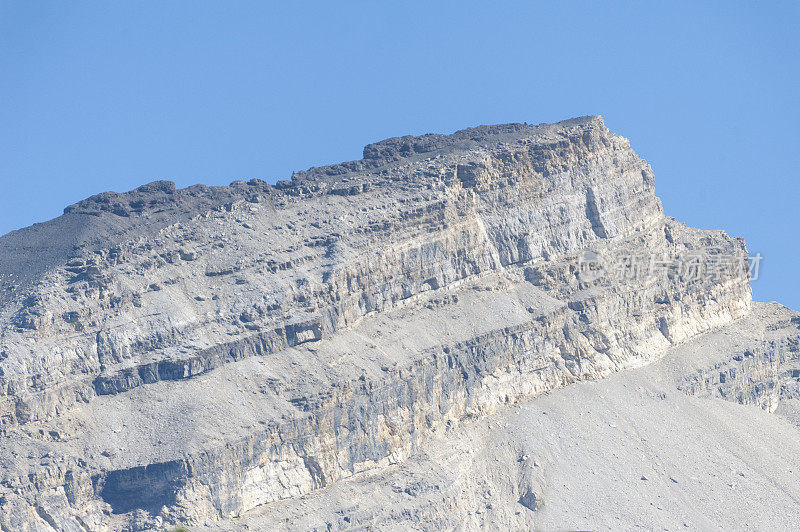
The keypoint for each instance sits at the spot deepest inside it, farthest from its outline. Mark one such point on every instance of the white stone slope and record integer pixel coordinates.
(632, 451)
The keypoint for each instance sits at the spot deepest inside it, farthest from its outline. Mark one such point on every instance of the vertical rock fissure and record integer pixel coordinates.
(593, 214)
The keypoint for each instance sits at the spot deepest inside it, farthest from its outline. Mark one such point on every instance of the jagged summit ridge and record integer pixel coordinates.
(155, 194)
(108, 216)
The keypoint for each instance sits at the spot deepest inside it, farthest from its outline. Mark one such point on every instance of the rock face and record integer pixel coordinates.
(198, 355)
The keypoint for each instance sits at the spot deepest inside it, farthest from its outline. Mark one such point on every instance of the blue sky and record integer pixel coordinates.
(101, 96)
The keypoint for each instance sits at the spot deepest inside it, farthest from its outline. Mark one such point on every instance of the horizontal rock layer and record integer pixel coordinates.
(190, 355)
(565, 459)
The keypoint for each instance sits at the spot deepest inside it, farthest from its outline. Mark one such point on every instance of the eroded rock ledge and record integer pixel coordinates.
(188, 355)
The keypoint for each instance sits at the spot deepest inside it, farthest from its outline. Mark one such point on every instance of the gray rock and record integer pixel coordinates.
(189, 356)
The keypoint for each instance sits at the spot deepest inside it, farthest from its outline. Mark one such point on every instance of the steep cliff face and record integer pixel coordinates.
(190, 355)
(630, 451)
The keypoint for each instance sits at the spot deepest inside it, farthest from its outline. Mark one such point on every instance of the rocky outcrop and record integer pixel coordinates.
(760, 366)
(564, 459)
(184, 356)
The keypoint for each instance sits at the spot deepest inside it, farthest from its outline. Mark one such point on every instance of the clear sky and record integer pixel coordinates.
(103, 95)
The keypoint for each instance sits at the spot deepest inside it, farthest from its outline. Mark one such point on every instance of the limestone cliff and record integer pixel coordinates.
(190, 355)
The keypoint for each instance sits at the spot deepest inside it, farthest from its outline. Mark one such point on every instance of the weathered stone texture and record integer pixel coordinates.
(188, 355)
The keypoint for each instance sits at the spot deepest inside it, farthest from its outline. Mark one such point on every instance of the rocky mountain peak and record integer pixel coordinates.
(194, 355)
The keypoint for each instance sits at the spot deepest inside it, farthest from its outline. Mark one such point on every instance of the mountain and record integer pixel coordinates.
(494, 328)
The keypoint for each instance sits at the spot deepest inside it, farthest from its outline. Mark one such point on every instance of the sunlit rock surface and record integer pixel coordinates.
(346, 349)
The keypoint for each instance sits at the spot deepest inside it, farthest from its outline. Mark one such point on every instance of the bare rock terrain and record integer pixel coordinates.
(495, 328)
